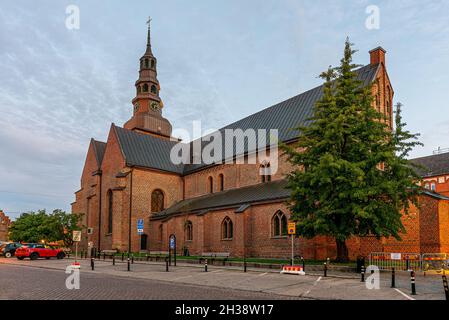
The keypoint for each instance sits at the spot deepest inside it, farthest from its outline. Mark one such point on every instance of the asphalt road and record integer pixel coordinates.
(24, 283)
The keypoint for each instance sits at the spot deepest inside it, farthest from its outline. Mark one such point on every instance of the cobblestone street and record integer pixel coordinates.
(45, 279)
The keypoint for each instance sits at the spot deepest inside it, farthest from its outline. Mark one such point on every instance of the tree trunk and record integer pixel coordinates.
(342, 251)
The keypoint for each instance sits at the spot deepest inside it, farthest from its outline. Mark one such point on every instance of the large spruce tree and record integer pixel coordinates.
(352, 175)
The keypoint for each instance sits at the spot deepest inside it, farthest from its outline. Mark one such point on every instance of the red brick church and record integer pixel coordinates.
(222, 207)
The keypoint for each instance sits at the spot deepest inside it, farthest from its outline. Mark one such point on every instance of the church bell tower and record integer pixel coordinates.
(147, 105)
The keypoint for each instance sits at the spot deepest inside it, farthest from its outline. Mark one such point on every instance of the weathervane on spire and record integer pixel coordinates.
(149, 36)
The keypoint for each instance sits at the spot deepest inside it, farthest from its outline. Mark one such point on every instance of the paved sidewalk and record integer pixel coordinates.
(263, 281)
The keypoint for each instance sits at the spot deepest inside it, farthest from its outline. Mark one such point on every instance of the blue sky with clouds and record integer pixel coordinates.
(217, 62)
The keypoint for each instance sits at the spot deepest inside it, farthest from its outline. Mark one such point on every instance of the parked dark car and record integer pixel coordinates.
(9, 249)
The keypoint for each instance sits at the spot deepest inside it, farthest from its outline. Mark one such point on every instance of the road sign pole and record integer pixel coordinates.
(293, 244)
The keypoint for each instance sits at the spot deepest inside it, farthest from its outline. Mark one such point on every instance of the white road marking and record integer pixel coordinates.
(314, 284)
(408, 297)
(260, 275)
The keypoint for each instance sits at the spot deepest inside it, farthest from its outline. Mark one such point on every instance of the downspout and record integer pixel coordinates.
(99, 210)
(130, 209)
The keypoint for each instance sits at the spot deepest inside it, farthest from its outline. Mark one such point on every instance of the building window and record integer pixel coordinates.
(221, 181)
(146, 63)
(153, 89)
(161, 232)
(211, 184)
(189, 231)
(152, 63)
(427, 186)
(110, 210)
(279, 224)
(433, 186)
(138, 89)
(157, 201)
(265, 171)
(226, 229)
(145, 88)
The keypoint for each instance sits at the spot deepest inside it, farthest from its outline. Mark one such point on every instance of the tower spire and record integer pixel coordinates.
(147, 104)
(149, 35)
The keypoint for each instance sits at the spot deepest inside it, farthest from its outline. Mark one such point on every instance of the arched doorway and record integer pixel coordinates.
(143, 242)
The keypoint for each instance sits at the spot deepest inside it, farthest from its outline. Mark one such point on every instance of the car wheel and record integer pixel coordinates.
(8, 255)
(34, 256)
(20, 258)
(60, 255)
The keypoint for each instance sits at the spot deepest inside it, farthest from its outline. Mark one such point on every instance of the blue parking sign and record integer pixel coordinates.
(140, 226)
(172, 243)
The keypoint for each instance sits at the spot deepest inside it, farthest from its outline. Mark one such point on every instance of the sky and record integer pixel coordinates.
(218, 61)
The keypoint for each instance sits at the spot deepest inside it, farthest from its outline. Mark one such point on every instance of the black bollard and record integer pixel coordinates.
(407, 264)
(205, 265)
(244, 265)
(132, 259)
(303, 264)
(325, 269)
(129, 265)
(166, 264)
(148, 258)
(113, 260)
(412, 282)
(92, 263)
(104, 255)
(393, 278)
(362, 274)
(446, 288)
(123, 256)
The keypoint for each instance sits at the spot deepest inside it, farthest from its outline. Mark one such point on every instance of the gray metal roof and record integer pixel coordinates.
(434, 165)
(269, 191)
(146, 151)
(149, 151)
(99, 149)
(434, 194)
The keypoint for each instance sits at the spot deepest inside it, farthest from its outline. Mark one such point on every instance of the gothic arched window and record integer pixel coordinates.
(189, 230)
(157, 201)
(226, 229)
(211, 184)
(161, 232)
(279, 224)
(221, 181)
(110, 210)
(145, 88)
(265, 171)
(153, 89)
(146, 63)
(152, 63)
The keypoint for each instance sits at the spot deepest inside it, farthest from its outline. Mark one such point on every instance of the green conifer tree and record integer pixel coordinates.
(352, 176)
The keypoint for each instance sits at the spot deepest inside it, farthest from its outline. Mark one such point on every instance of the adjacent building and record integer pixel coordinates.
(5, 222)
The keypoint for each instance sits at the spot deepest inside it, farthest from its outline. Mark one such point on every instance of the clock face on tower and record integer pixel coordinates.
(154, 106)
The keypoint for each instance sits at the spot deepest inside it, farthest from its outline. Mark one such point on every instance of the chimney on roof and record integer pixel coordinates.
(377, 55)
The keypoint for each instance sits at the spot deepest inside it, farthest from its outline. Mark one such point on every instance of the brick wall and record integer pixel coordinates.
(4, 226)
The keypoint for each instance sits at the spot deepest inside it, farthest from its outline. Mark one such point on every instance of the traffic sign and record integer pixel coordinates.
(76, 236)
(172, 243)
(291, 228)
(140, 226)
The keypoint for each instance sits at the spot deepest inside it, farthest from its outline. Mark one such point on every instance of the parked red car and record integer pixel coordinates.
(35, 250)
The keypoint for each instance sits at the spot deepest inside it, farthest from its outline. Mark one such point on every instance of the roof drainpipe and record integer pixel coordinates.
(130, 209)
